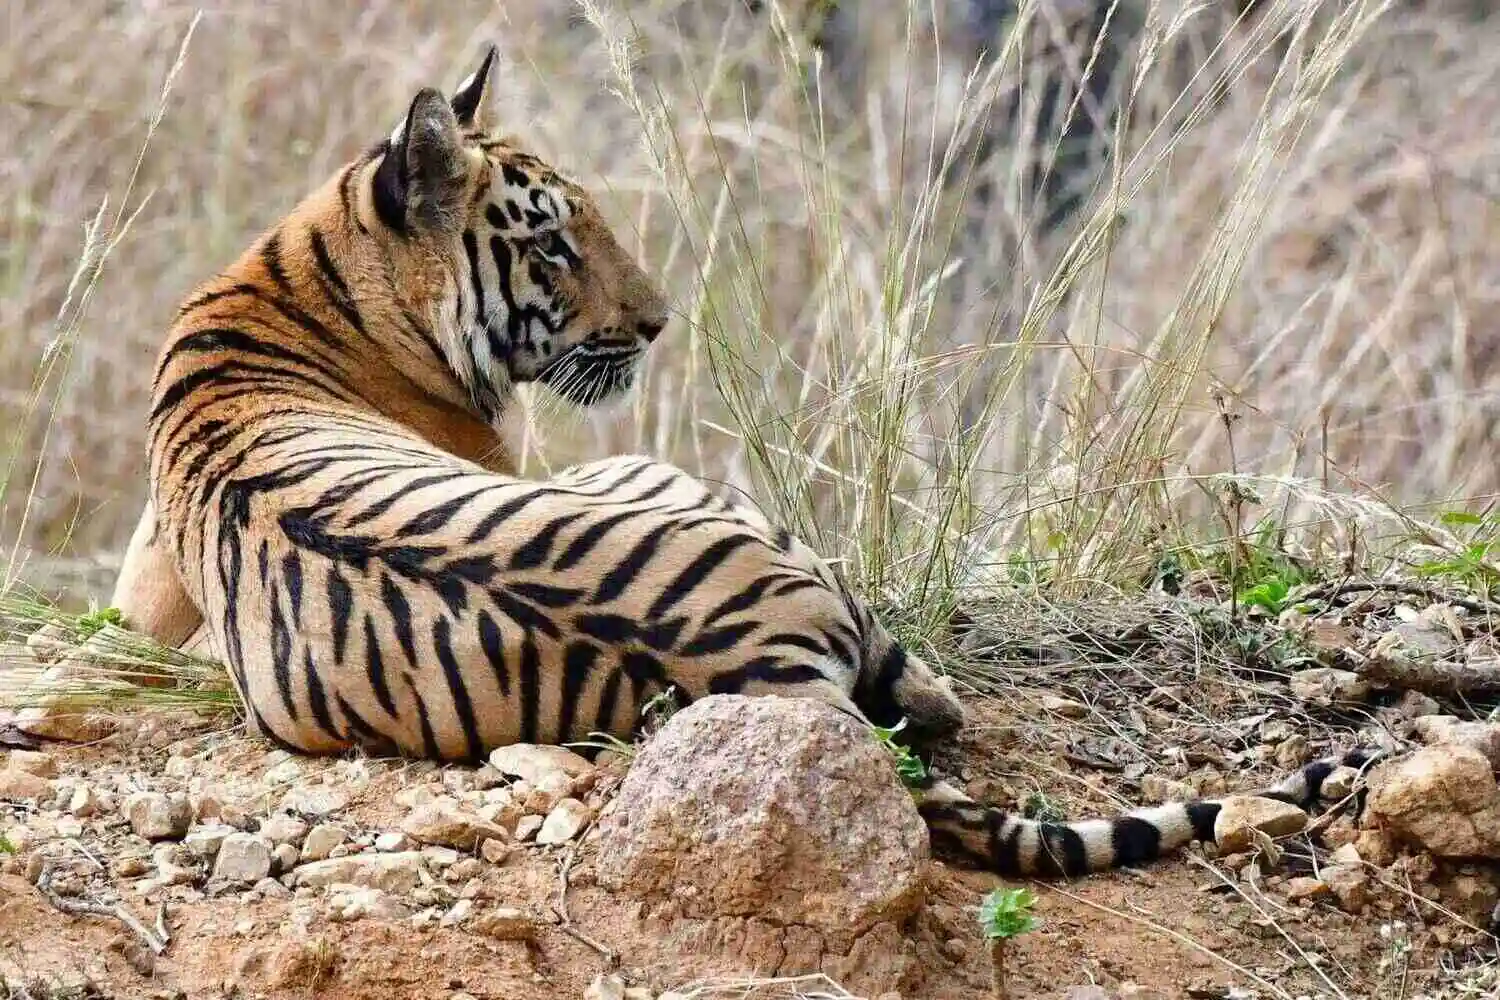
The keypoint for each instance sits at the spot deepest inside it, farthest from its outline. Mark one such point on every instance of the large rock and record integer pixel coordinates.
(1442, 798)
(781, 809)
(395, 873)
(1448, 730)
(449, 825)
(533, 763)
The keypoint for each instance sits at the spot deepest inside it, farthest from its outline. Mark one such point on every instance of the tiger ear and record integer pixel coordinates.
(469, 104)
(422, 181)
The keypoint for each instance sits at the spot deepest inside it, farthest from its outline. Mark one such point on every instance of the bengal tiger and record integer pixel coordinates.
(328, 487)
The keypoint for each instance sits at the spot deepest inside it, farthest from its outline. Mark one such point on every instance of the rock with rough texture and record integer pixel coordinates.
(1339, 783)
(16, 784)
(352, 902)
(505, 923)
(532, 763)
(205, 841)
(155, 816)
(563, 822)
(43, 765)
(1448, 730)
(396, 873)
(283, 829)
(1241, 815)
(449, 825)
(243, 859)
(321, 840)
(781, 809)
(1351, 886)
(1328, 686)
(1441, 798)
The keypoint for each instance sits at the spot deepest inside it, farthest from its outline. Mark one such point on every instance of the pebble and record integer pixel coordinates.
(321, 840)
(530, 762)
(457, 913)
(204, 842)
(505, 923)
(23, 785)
(350, 902)
(398, 873)
(448, 825)
(563, 822)
(391, 842)
(285, 857)
(283, 829)
(1067, 708)
(1243, 814)
(155, 816)
(243, 859)
(43, 765)
(495, 852)
(527, 827)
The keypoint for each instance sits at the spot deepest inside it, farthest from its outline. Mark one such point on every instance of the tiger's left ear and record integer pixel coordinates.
(469, 105)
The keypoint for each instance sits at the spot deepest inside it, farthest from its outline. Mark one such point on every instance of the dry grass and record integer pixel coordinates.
(1294, 233)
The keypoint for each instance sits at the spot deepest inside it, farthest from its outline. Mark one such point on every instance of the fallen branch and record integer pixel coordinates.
(1332, 591)
(91, 908)
(560, 908)
(1440, 678)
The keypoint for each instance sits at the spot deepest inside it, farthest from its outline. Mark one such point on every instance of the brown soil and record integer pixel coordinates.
(1162, 928)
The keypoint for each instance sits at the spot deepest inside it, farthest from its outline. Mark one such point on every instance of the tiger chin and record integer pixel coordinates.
(331, 505)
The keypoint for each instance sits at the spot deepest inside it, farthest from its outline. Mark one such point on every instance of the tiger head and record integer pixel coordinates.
(510, 262)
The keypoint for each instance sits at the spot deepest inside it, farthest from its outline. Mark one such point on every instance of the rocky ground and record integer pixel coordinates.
(753, 841)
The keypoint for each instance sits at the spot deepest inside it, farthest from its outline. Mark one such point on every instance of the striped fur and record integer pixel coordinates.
(329, 490)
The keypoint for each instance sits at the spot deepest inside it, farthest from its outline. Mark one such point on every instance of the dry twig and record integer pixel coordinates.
(156, 940)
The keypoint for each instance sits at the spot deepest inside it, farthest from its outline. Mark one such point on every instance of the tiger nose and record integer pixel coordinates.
(650, 328)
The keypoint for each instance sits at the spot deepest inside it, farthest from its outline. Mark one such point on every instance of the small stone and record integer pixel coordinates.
(83, 802)
(487, 777)
(448, 825)
(155, 816)
(1415, 704)
(1086, 993)
(563, 822)
(605, 987)
(205, 841)
(69, 826)
(1329, 686)
(131, 866)
(285, 857)
(284, 773)
(314, 800)
(1301, 887)
(415, 797)
(494, 851)
(1067, 708)
(528, 828)
(505, 923)
(1242, 814)
(349, 902)
(179, 767)
(283, 829)
(440, 857)
(321, 840)
(1340, 783)
(1376, 847)
(1155, 789)
(1132, 991)
(465, 868)
(1346, 856)
(1292, 752)
(24, 785)
(269, 888)
(531, 762)
(457, 913)
(1350, 886)
(391, 842)
(36, 863)
(43, 765)
(243, 859)
(395, 873)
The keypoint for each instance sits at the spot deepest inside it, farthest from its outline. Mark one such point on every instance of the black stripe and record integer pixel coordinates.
(739, 602)
(429, 739)
(587, 539)
(375, 669)
(763, 668)
(718, 640)
(338, 293)
(340, 607)
(291, 572)
(506, 510)
(493, 644)
(1203, 816)
(463, 705)
(609, 698)
(366, 736)
(1134, 841)
(1061, 852)
(390, 500)
(395, 602)
(317, 699)
(547, 595)
(796, 641)
(627, 569)
(535, 550)
(578, 663)
(438, 517)
(270, 257)
(281, 653)
(530, 671)
(471, 250)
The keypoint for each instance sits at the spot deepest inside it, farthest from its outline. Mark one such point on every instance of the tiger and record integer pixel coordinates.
(328, 498)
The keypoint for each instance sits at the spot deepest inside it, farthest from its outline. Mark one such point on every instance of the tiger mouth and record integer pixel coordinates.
(586, 377)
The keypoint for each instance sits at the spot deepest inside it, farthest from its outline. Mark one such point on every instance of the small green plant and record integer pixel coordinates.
(6, 847)
(659, 708)
(1004, 914)
(909, 767)
(1042, 809)
(91, 623)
